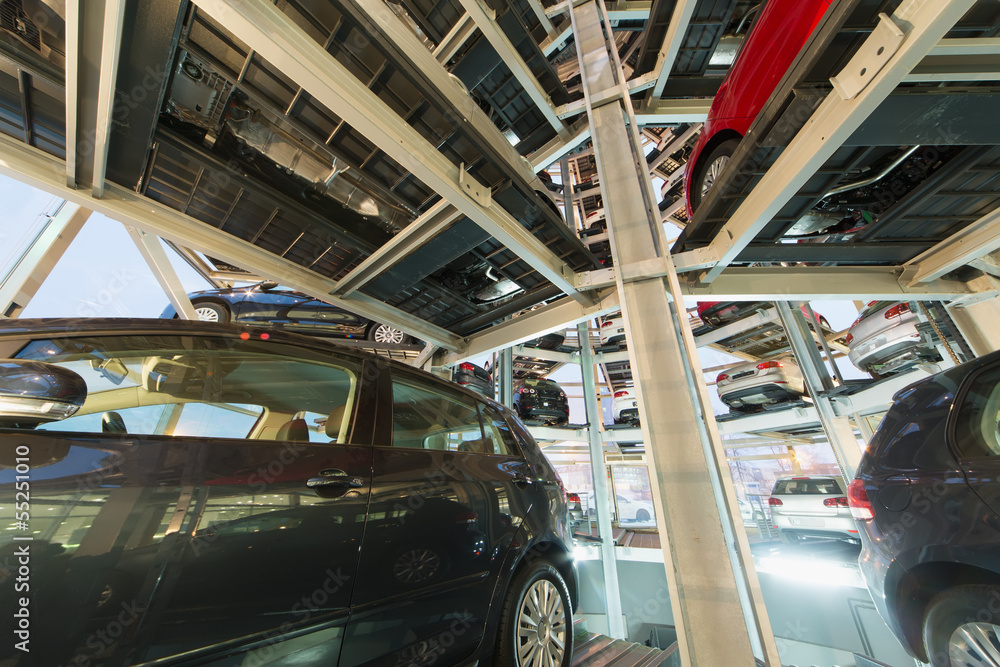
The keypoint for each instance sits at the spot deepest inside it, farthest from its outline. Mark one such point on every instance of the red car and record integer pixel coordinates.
(768, 51)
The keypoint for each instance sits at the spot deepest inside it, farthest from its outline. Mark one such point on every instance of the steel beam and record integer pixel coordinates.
(431, 223)
(817, 380)
(455, 39)
(979, 324)
(683, 448)
(560, 146)
(41, 170)
(974, 241)
(156, 257)
(680, 17)
(598, 471)
(671, 111)
(484, 19)
(277, 38)
(921, 24)
(553, 317)
(635, 10)
(114, 12)
(31, 269)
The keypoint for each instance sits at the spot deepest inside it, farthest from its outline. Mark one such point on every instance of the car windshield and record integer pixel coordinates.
(824, 486)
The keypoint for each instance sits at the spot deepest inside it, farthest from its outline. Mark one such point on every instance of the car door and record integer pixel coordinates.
(269, 306)
(449, 492)
(976, 440)
(197, 525)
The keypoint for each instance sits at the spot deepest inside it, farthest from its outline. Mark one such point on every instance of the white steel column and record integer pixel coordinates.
(838, 429)
(156, 257)
(979, 323)
(598, 470)
(689, 475)
(33, 267)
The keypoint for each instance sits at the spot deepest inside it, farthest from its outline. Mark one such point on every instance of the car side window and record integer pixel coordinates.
(426, 416)
(978, 416)
(499, 439)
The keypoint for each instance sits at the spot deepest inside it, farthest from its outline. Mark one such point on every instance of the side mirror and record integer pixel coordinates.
(268, 285)
(34, 392)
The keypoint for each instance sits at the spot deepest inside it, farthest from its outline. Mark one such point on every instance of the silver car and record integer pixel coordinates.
(811, 507)
(751, 386)
(885, 339)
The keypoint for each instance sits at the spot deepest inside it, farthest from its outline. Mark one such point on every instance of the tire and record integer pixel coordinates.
(418, 565)
(642, 515)
(962, 627)
(383, 333)
(539, 593)
(709, 169)
(211, 312)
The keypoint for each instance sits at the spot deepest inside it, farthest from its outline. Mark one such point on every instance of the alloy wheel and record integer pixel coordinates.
(207, 314)
(386, 334)
(713, 172)
(975, 645)
(541, 626)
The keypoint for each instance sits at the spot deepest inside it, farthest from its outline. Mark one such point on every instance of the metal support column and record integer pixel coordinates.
(507, 376)
(609, 561)
(154, 254)
(979, 324)
(817, 380)
(35, 264)
(713, 585)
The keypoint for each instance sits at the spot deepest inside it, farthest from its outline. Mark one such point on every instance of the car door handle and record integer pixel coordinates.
(332, 477)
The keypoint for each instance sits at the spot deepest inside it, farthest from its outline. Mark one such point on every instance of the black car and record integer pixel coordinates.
(473, 377)
(539, 400)
(190, 493)
(268, 304)
(927, 500)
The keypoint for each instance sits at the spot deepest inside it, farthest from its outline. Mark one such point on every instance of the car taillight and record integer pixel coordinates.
(848, 338)
(836, 502)
(467, 367)
(897, 310)
(768, 364)
(573, 497)
(619, 394)
(721, 377)
(857, 497)
(606, 323)
(774, 502)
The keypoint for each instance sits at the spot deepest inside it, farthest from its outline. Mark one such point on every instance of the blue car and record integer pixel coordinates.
(268, 304)
(927, 500)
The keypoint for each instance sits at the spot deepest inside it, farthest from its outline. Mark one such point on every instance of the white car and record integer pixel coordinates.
(812, 507)
(750, 386)
(885, 338)
(613, 329)
(630, 510)
(625, 408)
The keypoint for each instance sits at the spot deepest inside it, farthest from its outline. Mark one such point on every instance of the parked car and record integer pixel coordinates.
(539, 400)
(750, 386)
(927, 501)
(550, 341)
(811, 507)
(716, 314)
(473, 377)
(625, 408)
(595, 235)
(885, 339)
(775, 39)
(613, 329)
(629, 510)
(575, 511)
(226, 495)
(268, 304)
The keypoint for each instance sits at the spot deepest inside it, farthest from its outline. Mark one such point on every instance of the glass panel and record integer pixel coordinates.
(428, 417)
(203, 387)
(499, 439)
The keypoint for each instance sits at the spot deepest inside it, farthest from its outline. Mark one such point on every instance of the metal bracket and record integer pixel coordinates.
(647, 269)
(869, 60)
(606, 97)
(474, 188)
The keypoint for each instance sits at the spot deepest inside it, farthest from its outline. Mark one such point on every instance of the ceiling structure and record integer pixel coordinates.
(394, 158)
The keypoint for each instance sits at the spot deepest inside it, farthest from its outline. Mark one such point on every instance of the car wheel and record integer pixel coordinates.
(642, 515)
(962, 627)
(417, 566)
(211, 312)
(710, 170)
(536, 628)
(383, 333)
